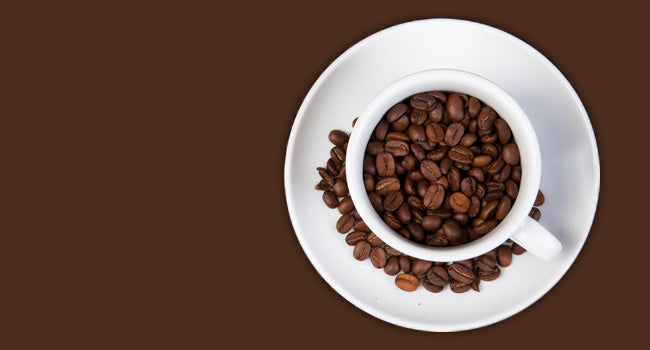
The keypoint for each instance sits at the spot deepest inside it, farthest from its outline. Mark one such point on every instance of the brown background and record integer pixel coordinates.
(143, 147)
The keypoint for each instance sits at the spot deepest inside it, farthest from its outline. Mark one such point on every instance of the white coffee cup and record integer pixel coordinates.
(517, 225)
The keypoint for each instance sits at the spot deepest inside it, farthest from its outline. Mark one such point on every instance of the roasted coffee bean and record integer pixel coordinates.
(435, 132)
(481, 161)
(415, 175)
(387, 185)
(481, 191)
(397, 148)
(374, 240)
(431, 223)
(374, 148)
(378, 257)
(495, 186)
(409, 162)
(486, 226)
(331, 167)
(454, 232)
(445, 165)
(503, 130)
(391, 220)
(460, 273)
(396, 112)
(418, 117)
(326, 176)
(437, 154)
(504, 255)
(459, 202)
(416, 231)
(493, 195)
(459, 287)
(322, 186)
(461, 154)
(504, 174)
(511, 188)
(361, 251)
(489, 275)
(420, 267)
(455, 107)
(436, 114)
(423, 101)
(476, 282)
(539, 200)
(461, 218)
(422, 187)
(401, 124)
(415, 202)
(468, 139)
(342, 172)
(405, 264)
(417, 216)
(440, 96)
(381, 129)
(434, 197)
(403, 214)
(535, 214)
(404, 233)
(517, 249)
(418, 152)
(454, 133)
(385, 164)
(490, 150)
(346, 205)
(393, 201)
(369, 165)
(392, 251)
(495, 166)
(468, 186)
(486, 118)
(397, 136)
(407, 282)
(355, 237)
(486, 262)
(469, 263)
(338, 137)
(474, 207)
(477, 174)
(473, 106)
(516, 173)
(504, 207)
(377, 202)
(340, 188)
(330, 199)
(438, 240)
(438, 276)
(338, 154)
(391, 267)
(510, 154)
(354, 121)
(430, 170)
(454, 178)
(489, 138)
(345, 223)
(431, 287)
(399, 170)
(368, 182)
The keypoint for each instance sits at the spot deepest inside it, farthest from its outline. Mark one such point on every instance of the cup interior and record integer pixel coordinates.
(449, 81)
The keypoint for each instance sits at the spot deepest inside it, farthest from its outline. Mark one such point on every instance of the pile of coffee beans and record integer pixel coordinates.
(442, 169)
(409, 271)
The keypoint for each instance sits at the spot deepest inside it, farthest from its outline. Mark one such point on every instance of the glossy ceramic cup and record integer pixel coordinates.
(517, 225)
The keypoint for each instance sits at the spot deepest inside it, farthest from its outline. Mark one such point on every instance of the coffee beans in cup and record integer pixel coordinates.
(407, 214)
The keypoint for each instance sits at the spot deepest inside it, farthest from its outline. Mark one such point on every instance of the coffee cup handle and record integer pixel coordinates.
(537, 240)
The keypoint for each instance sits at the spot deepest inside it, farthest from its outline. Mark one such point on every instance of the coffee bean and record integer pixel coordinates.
(473, 106)
(401, 124)
(374, 240)
(469, 263)
(454, 232)
(331, 167)
(326, 176)
(490, 150)
(391, 267)
(454, 133)
(322, 186)
(459, 287)
(418, 117)
(468, 140)
(486, 226)
(431, 223)
(416, 231)
(503, 130)
(504, 174)
(492, 195)
(540, 199)
(392, 251)
(503, 208)
(355, 237)
(378, 257)
(330, 199)
(346, 205)
(420, 267)
(477, 174)
(481, 161)
(511, 188)
(377, 202)
(430, 170)
(504, 255)
(407, 282)
(517, 249)
(455, 108)
(443, 213)
(338, 137)
(354, 121)
(495, 186)
(486, 118)
(361, 251)
(405, 264)
(468, 186)
(385, 164)
(340, 188)
(395, 112)
(440, 96)
(486, 262)
(369, 165)
(417, 216)
(423, 101)
(374, 148)
(393, 201)
(459, 202)
(535, 214)
(438, 276)
(391, 220)
(397, 148)
(481, 191)
(387, 185)
(345, 223)
(368, 182)
(495, 166)
(409, 162)
(381, 129)
(516, 173)
(435, 132)
(431, 287)
(454, 178)
(476, 282)
(434, 197)
(397, 136)
(338, 154)
(510, 154)
(460, 273)
(489, 275)
(474, 207)
(461, 154)
(359, 225)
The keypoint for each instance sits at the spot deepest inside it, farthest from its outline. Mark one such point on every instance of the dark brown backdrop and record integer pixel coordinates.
(143, 197)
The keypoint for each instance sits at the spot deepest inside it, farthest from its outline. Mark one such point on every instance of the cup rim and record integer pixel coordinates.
(455, 81)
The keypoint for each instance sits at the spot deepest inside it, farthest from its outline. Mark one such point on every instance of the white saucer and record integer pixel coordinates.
(570, 176)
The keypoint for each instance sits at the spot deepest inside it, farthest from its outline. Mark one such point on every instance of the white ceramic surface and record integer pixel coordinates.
(565, 137)
(545, 245)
